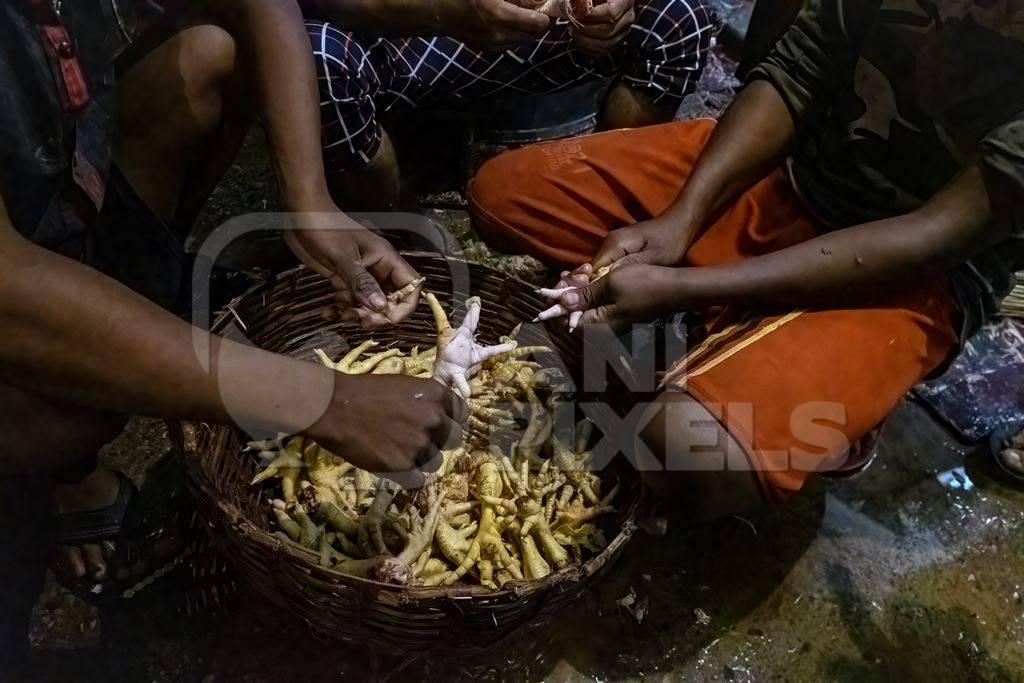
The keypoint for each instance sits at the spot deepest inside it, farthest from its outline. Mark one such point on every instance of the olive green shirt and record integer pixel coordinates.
(891, 98)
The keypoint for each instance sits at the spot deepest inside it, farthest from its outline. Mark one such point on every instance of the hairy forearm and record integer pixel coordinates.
(750, 140)
(72, 334)
(275, 47)
(390, 17)
(847, 265)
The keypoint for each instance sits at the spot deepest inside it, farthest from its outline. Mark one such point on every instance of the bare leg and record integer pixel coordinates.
(182, 112)
(625, 107)
(706, 473)
(42, 437)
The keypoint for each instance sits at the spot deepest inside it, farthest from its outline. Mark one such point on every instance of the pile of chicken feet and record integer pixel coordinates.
(509, 504)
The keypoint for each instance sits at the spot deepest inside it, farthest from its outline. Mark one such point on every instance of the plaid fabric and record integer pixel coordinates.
(662, 56)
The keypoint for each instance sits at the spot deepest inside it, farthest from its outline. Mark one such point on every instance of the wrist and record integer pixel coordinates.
(687, 213)
(326, 218)
(680, 222)
(678, 289)
(306, 197)
(674, 235)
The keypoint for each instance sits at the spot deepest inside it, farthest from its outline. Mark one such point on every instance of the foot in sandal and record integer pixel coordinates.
(1011, 457)
(98, 491)
(105, 543)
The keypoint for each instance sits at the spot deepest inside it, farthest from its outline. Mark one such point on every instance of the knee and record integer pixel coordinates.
(673, 26)
(670, 36)
(344, 69)
(677, 428)
(209, 59)
(496, 192)
(487, 191)
(51, 437)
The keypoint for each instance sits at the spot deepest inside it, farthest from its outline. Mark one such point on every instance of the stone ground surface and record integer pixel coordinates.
(913, 571)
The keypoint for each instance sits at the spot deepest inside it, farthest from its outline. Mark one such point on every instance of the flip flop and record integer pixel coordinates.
(131, 541)
(997, 443)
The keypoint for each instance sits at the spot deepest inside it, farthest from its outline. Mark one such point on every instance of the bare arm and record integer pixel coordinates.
(360, 264)
(837, 268)
(74, 334)
(846, 265)
(273, 40)
(752, 137)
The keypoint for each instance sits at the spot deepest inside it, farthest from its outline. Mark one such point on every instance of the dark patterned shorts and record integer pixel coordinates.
(662, 56)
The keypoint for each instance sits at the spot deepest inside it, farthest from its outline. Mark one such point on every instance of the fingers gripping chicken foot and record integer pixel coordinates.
(558, 310)
(394, 298)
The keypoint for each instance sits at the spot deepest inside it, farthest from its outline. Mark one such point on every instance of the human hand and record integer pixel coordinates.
(628, 294)
(605, 27)
(374, 285)
(651, 242)
(494, 25)
(391, 424)
(654, 242)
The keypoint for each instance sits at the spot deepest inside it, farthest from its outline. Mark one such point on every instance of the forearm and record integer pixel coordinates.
(833, 269)
(390, 17)
(750, 140)
(72, 334)
(847, 265)
(275, 47)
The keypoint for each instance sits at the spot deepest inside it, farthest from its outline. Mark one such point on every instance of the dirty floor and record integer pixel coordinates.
(913, 571)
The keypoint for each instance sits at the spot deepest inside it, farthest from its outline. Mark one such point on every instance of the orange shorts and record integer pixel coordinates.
(794, 388)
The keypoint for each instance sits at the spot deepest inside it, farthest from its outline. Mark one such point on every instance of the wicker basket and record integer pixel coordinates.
(281, 315)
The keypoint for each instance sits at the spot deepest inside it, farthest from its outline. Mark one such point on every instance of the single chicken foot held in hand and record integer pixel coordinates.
(558, 310)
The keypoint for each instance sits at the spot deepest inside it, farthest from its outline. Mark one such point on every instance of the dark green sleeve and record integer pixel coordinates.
(816, 55)
(1001, 155)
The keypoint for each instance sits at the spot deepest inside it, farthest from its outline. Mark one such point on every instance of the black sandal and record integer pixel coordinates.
(131, 540)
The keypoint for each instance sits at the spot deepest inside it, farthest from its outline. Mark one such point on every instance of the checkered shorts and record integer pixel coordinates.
(662, 56)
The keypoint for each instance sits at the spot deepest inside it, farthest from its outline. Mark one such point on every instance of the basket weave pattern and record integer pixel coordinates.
(282, 315)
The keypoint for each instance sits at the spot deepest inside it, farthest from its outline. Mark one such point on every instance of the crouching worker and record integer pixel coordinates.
(380, 56)
(856, 211)
(96, 182)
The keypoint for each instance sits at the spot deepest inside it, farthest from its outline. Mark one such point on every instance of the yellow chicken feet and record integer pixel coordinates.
(371, 530)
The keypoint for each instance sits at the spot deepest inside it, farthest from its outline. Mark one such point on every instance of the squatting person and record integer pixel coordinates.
(853, 217)
(99, 183)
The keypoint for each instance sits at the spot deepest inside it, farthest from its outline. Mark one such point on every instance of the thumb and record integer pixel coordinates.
(591, 296)
(609, 253)
(364, 287)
